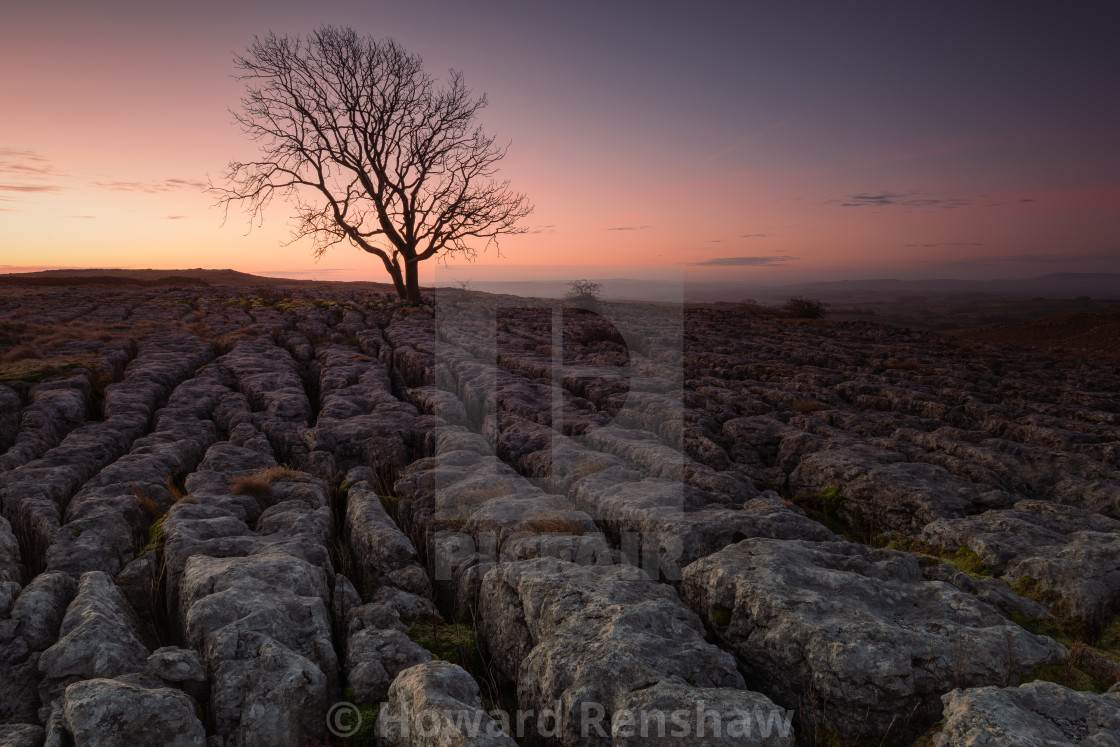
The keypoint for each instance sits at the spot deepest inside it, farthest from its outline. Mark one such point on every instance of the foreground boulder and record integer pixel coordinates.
(375, 657)
(21, 735)
(1038, 713)
(32, 627)
(100, 637)
(437, 703)
(585, 641)
(858, 629)
(1064, 548)
(112, 713)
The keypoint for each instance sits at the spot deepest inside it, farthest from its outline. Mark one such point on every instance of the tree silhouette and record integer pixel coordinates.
(584, 293)
(370, 150)
(804, 308)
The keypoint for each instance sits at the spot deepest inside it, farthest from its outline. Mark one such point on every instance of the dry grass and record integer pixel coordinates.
(37, 369)
(279, 472)
(259, 484)
(176, 493)
(255, 487)
(592, 466)
(806, 406)
(148, 506)
(554, 525)
(480, 493)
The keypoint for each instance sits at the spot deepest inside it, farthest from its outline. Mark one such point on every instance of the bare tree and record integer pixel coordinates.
(584, 293)
(370, 150)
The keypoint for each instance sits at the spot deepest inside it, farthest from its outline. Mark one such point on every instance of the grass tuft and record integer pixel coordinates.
(555, 525)
(1094, 653)
(259, 484)
(963, 558)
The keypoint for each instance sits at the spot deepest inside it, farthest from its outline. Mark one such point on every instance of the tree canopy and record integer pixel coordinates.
(371, 150)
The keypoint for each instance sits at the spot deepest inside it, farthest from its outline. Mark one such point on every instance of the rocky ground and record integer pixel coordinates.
(494, 521)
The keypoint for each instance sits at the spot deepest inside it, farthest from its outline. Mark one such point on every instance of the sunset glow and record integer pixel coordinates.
(756, 142)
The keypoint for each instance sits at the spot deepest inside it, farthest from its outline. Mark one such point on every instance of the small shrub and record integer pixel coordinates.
(584, 293)
(804, 308)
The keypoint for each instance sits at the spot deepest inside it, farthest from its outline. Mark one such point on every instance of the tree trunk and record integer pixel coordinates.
(412, 283)
(394, 270)
(398, 283)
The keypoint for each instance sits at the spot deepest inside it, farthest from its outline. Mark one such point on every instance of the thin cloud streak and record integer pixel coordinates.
(744, 261)
(166, 185)
(947, 243)
(903, 199)
(29, 188)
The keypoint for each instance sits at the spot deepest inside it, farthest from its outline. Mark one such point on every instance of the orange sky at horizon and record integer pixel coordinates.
(761, 161)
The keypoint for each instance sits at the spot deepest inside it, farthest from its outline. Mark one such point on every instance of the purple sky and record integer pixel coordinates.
(762, 141)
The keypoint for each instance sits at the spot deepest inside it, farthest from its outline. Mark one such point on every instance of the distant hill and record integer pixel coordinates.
(1096, 332)
(140, 278)
(839, 292)
(1055, 285)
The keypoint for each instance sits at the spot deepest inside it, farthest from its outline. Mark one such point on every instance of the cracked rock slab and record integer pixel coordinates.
(859, 629)
(1038, 714)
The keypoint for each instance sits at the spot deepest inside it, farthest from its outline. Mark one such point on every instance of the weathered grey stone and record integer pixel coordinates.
(181, 668)
(268, 695)
(891, 494)
(42, 606)
(1064, 548)
(21, 735)
(375, 657)
(435, 401)
(381, 550)
(674, 714)
(1037, 714)
(437, 703)
(105, 712)
(408, 606)
(54, 408)
(573, 635)
(99, 638)
(859, 629)
(988, 590)
(10, 567)
(269, 594)
(663, 525)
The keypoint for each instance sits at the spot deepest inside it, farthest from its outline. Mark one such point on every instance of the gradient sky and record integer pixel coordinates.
(758, 140)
